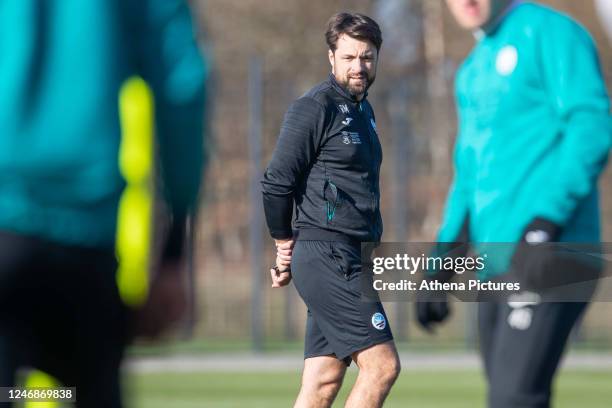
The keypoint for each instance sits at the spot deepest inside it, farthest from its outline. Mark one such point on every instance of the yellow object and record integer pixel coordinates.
(133, 239)
(135, 207)
(38, 379)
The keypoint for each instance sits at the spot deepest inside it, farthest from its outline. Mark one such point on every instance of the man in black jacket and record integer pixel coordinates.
(327, 160)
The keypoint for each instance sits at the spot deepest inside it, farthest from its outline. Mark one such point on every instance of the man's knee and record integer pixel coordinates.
(520, 385)
(323, 377)
(519, 389)
(327, 381)
(381, 364)
(388, 371)
(325, 390)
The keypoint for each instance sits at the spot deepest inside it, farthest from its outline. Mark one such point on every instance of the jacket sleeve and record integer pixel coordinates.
(455, 212)
(572, 78)
(456, 206)
(169, 60)
(296, 150)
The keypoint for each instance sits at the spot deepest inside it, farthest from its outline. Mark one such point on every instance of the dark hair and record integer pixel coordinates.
(354, 25)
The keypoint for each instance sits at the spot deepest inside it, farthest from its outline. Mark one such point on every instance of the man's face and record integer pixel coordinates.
(473, 14)
(354, 64)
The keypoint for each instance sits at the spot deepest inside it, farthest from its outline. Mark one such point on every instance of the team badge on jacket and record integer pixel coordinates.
(351, 137)
(506, 61)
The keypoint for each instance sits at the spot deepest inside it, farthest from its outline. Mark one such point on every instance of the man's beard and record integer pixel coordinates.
(357, 90)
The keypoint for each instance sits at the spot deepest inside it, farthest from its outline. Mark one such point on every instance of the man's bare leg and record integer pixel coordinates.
(379, 367)
(321, 380)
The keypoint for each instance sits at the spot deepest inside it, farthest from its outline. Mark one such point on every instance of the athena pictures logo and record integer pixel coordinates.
(378, 321)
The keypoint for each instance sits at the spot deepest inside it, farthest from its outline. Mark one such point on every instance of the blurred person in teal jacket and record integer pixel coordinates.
(534, 136)
(62, 66)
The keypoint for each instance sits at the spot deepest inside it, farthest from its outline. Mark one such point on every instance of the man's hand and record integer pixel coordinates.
(432, 309)
(281, 272)
(280, 278)
(166, 303)
(284, 251)
(534, 260)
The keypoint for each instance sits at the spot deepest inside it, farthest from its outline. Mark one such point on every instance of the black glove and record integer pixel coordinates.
(541, 231)
(534, 258)
(432, 310)
(432, 306)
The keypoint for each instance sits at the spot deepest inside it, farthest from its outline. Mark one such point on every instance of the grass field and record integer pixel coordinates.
(460, 389)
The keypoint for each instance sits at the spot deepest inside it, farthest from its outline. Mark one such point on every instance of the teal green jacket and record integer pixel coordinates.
(534, 130)
(61, 67)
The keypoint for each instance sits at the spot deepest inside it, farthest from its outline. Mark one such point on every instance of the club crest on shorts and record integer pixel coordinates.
(378, 321)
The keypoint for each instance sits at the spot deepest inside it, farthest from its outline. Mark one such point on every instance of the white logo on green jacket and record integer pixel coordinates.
(507, 59)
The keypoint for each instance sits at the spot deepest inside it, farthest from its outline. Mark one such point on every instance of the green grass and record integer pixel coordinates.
(461, 389)
(214, 346)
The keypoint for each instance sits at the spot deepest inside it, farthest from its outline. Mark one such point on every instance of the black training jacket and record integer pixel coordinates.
(327, 159)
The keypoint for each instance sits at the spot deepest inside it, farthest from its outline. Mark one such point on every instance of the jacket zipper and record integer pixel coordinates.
(373, 200)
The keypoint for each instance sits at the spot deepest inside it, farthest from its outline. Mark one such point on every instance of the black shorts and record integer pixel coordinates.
(328, 277)
(60, 312)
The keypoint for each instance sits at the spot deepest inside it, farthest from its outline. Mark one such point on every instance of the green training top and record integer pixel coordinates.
(534, 130)
(61, 69)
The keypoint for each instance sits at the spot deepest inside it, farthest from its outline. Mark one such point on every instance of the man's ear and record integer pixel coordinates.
(330, 55)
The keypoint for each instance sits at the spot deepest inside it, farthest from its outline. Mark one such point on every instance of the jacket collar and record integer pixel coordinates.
(343, 92)
(492, 27)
